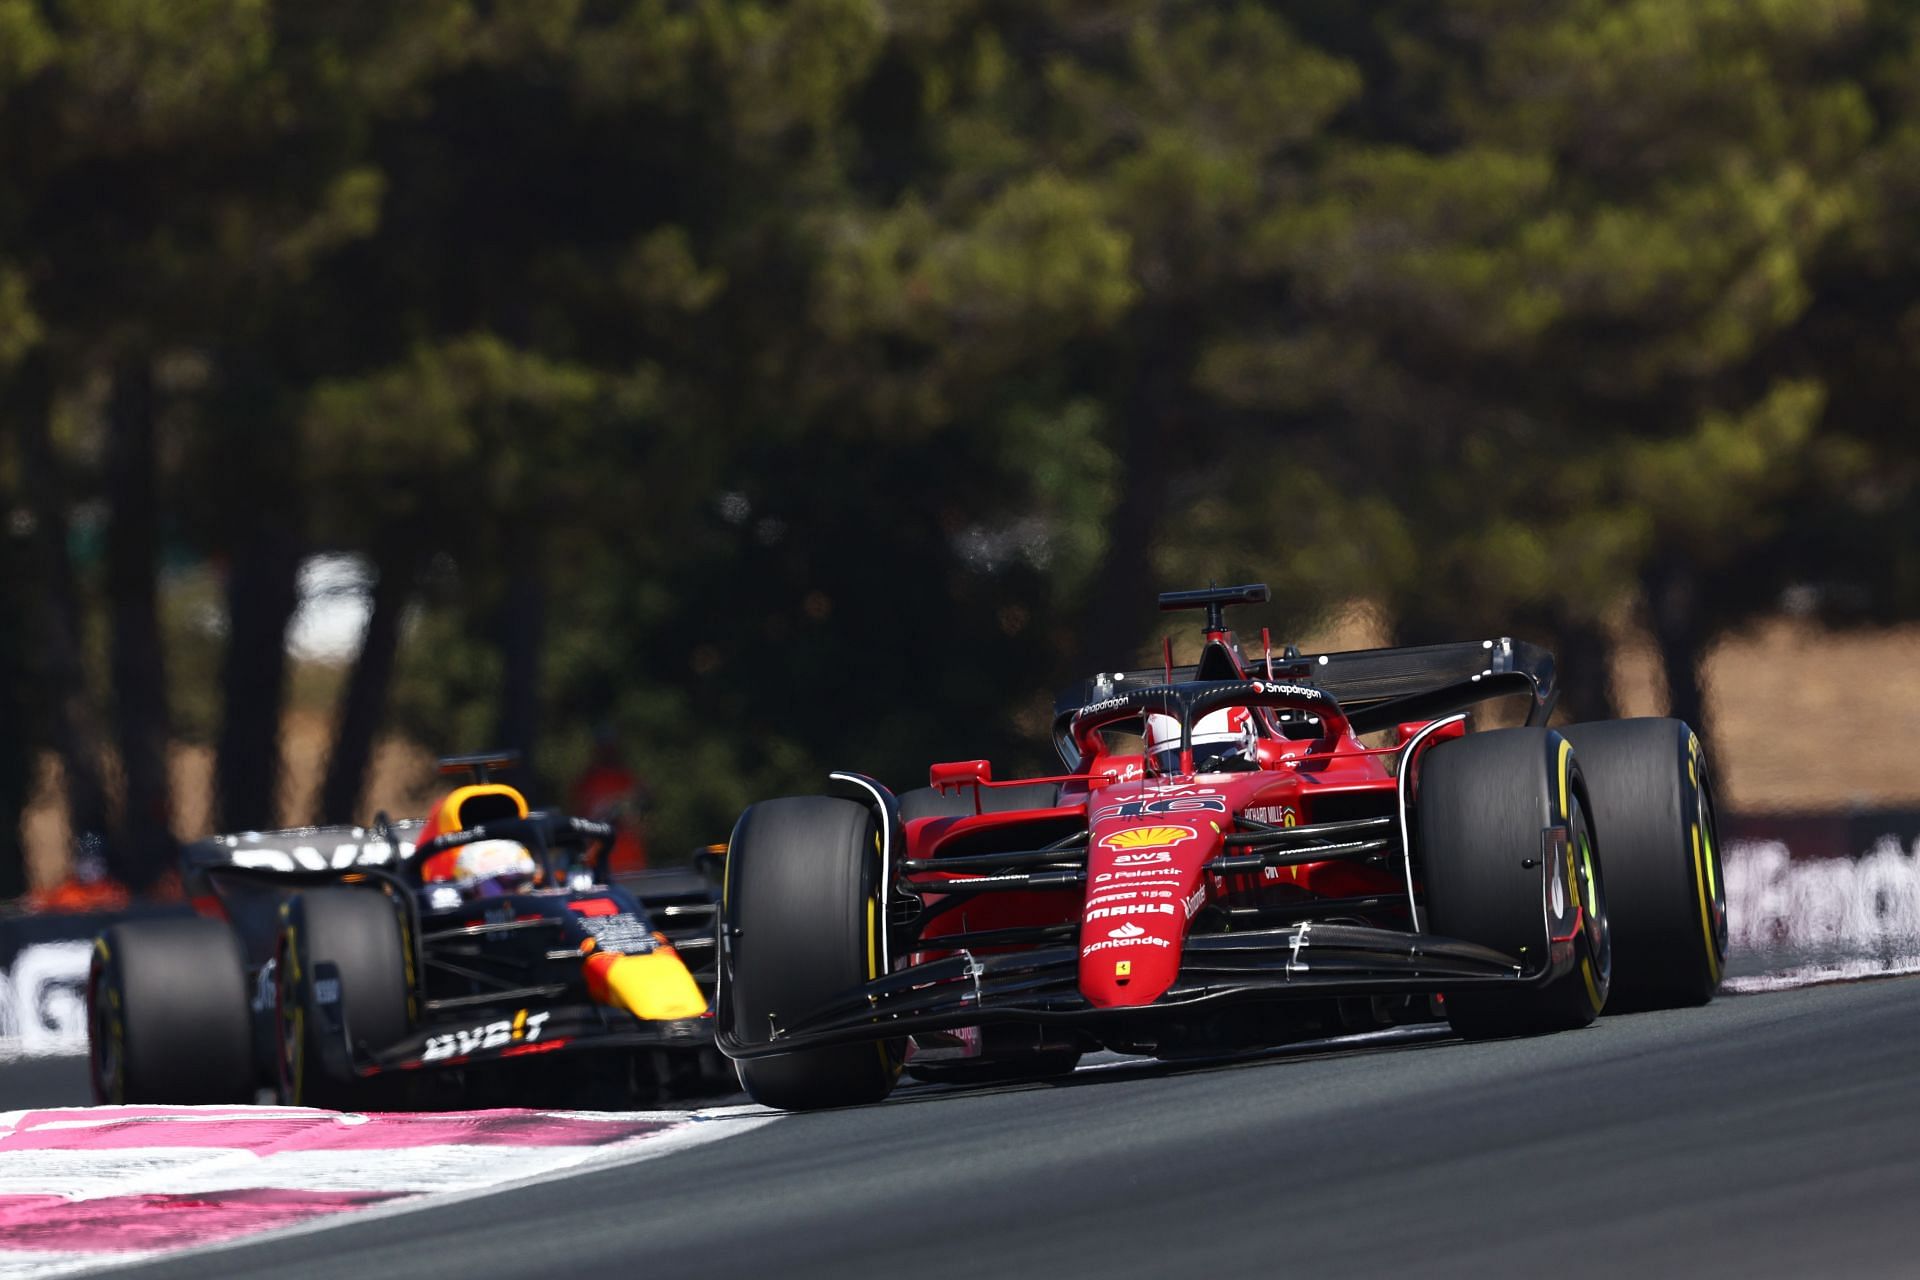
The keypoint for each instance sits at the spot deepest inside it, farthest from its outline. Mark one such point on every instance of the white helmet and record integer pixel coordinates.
(494, 861)
(1223, 741)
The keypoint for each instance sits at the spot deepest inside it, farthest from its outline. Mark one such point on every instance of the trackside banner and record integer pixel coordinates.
(43, 979)
(1853, 916)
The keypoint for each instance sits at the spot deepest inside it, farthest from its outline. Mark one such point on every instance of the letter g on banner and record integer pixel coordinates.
(43, 1000)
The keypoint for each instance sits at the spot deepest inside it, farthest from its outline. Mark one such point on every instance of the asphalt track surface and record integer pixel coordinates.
(1766, 1135)
(44, 1082)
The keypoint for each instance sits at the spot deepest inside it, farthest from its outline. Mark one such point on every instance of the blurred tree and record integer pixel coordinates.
(143, 846)
(56, 675)
(1851, 546)
(1537, 288)
(20, 664)
(790, 385)
(21, 742)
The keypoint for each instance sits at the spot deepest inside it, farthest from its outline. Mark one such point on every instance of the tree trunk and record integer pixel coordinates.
(73, 724)
(145, 849)
(262, 592)
(522, 632)
(18, 737)
(1120, 608)
(1583, 668)
(364, 704)
(1672, 591)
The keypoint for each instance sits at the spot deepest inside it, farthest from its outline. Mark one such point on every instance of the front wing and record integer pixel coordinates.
(496, 1036)
(1042, 986)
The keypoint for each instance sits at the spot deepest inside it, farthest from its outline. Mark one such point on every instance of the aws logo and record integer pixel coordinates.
(1149, 838)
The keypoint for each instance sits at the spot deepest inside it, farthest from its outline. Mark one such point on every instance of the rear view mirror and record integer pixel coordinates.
(955, 774)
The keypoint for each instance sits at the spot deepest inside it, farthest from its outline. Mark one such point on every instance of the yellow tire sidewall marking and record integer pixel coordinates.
(1706, 884)
(1706, 919)
(1566, 755)
(1593, 990)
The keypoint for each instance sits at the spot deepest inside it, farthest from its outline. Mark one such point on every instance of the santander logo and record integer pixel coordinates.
(1128, 930)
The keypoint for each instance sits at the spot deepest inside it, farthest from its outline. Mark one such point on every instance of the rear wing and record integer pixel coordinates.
(302, 849)
(1378, 688)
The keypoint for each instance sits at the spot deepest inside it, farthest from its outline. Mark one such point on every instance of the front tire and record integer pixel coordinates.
(167, 1014)
(357, 931)
(1653, 810)
(802, 908)
(1493, 808)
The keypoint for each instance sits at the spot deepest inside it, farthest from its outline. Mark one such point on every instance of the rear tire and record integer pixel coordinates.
(1653, 814)
(167, 1014)
(1485, 802)
(357, 931)
(802, 909)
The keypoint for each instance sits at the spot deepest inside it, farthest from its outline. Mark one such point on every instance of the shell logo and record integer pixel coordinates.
(1149, 837)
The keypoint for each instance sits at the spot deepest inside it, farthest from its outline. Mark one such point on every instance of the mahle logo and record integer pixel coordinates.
(1149, 838)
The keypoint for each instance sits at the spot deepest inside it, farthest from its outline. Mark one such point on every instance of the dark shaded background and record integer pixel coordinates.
(766, 388)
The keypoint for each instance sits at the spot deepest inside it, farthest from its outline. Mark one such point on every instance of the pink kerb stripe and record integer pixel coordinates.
(128, 1224)
(270, 1131)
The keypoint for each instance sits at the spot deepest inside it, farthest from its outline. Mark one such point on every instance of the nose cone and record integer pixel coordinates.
(653, 987)
(1144, 882)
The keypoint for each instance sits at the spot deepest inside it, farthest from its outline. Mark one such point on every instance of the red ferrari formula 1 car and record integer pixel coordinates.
(1226, 864)
(480, 955)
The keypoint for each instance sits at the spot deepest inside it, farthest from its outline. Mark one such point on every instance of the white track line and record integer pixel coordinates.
(1813, 975)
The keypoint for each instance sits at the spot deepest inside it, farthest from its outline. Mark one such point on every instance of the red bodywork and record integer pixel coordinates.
(1228, 863)
(1150, 837)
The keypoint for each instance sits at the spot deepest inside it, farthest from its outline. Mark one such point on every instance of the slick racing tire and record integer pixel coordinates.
(926, 802)
(802, 909)
(1652, 806)
(1510, 862)
(359, 932)
(167, 1014)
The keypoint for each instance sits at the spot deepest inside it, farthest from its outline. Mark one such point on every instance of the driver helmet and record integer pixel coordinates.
(1223, 742)
(495, 867)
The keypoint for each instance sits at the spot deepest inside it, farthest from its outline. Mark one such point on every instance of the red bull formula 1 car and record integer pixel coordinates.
(480, 955)
(1225, 864)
